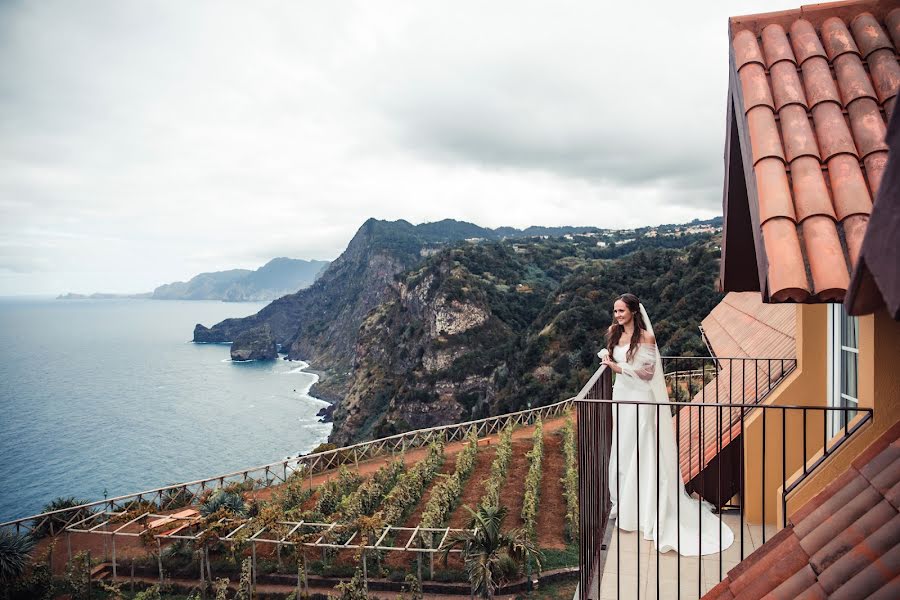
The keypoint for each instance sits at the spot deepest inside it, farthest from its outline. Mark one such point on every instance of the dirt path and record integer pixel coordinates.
(552, 505)
(511, 494)
(446, 469)
(474, 487)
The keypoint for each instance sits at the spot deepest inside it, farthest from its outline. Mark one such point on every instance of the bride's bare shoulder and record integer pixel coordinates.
(647, 338)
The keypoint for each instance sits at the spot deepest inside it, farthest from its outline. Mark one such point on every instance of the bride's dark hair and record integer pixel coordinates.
(614, 333)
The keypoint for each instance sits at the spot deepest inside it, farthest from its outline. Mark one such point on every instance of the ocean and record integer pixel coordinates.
(111, 397)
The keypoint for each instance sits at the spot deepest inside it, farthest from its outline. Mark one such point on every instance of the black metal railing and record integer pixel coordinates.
(789, 448)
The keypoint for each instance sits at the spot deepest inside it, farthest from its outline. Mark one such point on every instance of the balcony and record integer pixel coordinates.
(742, 455)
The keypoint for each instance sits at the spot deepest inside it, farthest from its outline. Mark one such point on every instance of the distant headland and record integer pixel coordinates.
(276, 278)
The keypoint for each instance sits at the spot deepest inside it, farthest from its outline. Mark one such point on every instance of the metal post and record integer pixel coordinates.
(365, 572)
(253, 568)
(159, 559)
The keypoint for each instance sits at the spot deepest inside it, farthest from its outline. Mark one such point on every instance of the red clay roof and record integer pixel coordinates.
(740, 326)
(812, 90)
(844, 543)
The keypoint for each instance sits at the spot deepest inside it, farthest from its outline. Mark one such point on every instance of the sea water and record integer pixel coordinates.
(109, 397)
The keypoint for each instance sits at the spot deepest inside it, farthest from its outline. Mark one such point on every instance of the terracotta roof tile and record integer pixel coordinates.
(809, 187)
(787, 275)
(799, 139)
(823, 250)
(814, 592)
(867, 126)
(810, 507)
(786, 85)
(815, 85)
(879, 546)
(795, 585)
(873, 578)
(869, 34)
(883, 472)
(765, 138)
(832, 130)
(836, 38)
(776, 46)
(774, 190)
(834, 501)
(848, 187)
(817, 80)
(857, 533)
(779, 565)
(841, 519)
(746, 50)
(853, 534)
(756, 86)
(889, 592)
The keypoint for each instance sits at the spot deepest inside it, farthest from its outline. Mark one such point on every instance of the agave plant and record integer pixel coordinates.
(486, 550)
(230, 501)
(14, 555)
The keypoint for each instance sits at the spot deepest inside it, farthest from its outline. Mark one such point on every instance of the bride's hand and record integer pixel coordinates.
(609, 363)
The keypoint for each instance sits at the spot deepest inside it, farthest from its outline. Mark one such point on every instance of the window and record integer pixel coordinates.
(843, 364)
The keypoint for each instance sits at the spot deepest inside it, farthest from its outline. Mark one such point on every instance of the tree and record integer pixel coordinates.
(486, 548)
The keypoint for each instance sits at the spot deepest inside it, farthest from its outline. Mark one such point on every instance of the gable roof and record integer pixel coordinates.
(809, 94)
(843, 543)
(739, 327)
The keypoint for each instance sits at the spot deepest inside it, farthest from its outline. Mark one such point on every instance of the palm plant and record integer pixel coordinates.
(485, 548)
(14, 555)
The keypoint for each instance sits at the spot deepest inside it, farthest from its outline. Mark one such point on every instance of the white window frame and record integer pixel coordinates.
(837, 347)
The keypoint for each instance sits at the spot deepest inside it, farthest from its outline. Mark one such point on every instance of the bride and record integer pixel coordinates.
(633, 454)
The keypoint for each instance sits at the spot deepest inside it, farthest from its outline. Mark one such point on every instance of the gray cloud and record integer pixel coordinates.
(142, 142)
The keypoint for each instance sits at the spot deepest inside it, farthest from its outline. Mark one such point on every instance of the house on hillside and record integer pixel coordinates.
(808, 465)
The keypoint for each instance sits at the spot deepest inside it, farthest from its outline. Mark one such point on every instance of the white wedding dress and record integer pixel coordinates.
(634, 499)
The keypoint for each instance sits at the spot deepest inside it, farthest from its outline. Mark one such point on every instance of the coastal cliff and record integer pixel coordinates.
(413, 327)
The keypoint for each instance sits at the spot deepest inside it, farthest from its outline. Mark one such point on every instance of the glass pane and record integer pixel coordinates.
(848, 373)
(849, 330)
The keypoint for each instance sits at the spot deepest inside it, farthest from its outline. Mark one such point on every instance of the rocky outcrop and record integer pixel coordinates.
(404, 374)
(255, 344)
(454, 317)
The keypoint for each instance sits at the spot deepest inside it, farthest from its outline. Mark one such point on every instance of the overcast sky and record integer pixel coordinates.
(145, 142)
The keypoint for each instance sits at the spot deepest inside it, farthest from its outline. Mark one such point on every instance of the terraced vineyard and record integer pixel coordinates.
(530, 470)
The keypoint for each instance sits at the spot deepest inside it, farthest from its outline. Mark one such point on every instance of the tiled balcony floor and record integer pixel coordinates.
(698, 576)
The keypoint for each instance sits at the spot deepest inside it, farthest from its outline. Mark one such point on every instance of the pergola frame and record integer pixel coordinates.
(238, 524)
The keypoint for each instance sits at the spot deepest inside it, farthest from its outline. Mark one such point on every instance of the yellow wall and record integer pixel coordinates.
(878, 388)
(806, 386)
